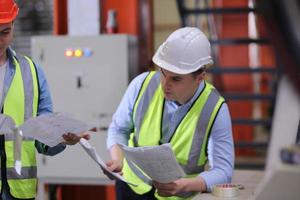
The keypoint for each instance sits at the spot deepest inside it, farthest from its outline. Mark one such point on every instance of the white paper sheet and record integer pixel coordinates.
(49, 128)
(91, 151)
(8, 126)
(158, 162)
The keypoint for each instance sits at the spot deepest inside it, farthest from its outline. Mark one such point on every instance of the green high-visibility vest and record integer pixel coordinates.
(21, 103)
(189, 140)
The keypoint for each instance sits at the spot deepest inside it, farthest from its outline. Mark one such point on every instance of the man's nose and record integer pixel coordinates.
(166, 82)
(1, 40)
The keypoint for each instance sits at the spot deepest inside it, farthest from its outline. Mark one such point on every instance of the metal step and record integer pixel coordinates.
(243, 96)
(241, 41)
(241, 121)
(254, 144)
(242, 69)
(219, 11)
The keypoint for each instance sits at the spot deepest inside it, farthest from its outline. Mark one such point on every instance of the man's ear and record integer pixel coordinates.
(200, 77)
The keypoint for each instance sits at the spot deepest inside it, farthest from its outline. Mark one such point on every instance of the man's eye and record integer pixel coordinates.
(4, 33)
(176, 79)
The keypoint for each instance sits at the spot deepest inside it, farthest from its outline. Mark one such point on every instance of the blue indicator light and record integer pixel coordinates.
(87, 53)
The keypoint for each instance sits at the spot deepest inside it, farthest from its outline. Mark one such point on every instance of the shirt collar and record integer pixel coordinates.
(10, 54)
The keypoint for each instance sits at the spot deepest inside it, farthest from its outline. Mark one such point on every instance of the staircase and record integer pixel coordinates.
(244, 71)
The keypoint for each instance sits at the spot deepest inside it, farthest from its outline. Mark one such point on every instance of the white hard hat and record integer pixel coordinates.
(185, 51)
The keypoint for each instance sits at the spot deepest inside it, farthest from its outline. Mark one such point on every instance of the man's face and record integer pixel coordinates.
(6, 35)
(178, 87)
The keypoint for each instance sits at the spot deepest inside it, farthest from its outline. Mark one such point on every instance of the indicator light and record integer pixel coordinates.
(69, 53)
(78, 53)
(87, 52)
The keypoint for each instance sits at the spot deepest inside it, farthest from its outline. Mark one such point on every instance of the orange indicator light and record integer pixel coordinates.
(69, 53)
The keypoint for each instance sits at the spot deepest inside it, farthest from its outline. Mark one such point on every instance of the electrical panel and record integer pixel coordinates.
(87, 77)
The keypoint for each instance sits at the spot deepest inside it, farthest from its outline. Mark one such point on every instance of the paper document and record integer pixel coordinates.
(47, 129)
(50, 128)
(158, 162)
(91, 151)
(8, 126)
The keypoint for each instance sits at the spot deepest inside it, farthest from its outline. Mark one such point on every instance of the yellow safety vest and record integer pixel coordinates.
(189, 140)
(20, 103)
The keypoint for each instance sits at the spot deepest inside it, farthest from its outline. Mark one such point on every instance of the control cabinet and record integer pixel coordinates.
(87, 77)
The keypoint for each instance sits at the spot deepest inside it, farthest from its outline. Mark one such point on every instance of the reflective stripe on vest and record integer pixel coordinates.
(21, 103)
(11, 137)
(200, 117)
(152, 80)
(27, 173)
(199, 135)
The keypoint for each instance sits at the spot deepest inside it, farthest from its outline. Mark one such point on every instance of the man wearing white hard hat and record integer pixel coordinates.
(175, 105)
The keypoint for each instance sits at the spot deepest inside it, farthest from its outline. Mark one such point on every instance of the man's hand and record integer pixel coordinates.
(180, 186)
(71, 138)
(116, 162)
(170, 189)
(114, 166)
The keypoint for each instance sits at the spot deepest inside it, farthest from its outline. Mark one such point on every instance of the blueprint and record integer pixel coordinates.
(157, 162)
(47, 129)
(50, 128)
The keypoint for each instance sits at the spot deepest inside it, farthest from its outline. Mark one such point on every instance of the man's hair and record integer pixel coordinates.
(200, 71)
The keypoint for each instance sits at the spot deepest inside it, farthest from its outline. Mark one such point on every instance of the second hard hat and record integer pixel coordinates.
(185, 51)
(8, 11)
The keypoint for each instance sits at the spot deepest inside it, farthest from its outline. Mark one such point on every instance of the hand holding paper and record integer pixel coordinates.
(158, 162)
(71, 138)
(91, 151)
(53, 129)
(50, 129)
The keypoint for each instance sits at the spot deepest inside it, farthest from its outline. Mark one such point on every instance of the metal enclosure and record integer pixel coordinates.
(89, 85)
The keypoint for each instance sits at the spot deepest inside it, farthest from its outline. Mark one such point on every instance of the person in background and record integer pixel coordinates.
(24, 93)
(174, 105)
